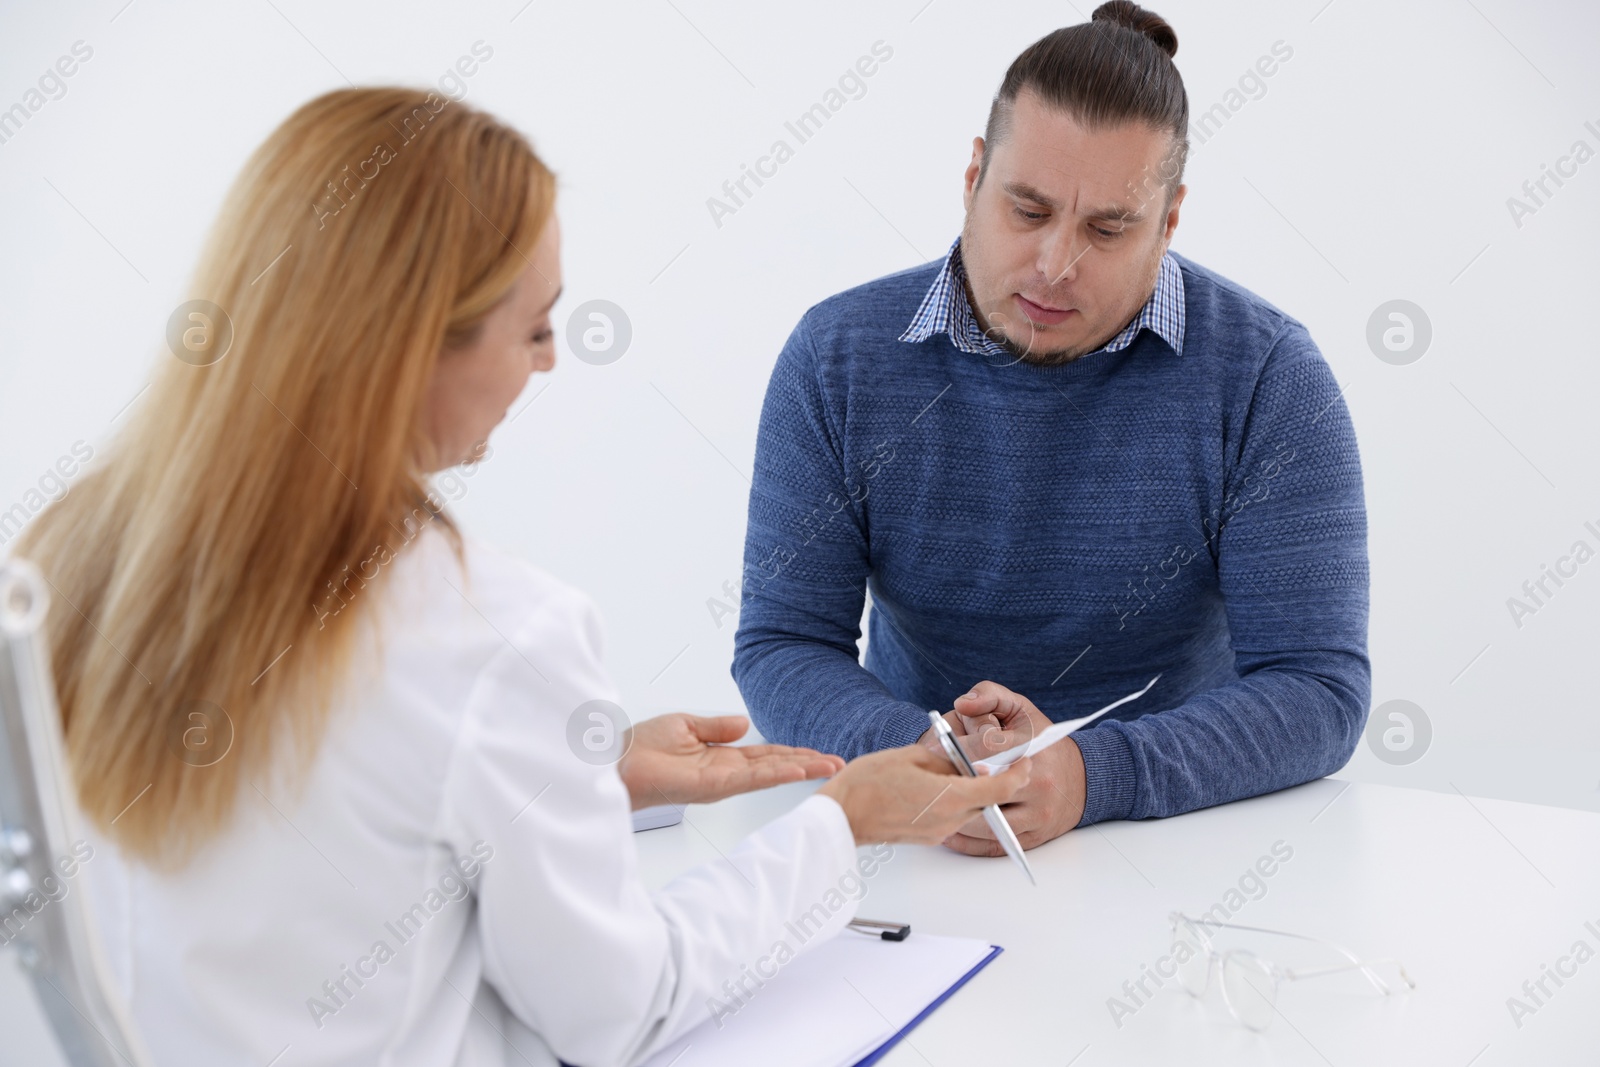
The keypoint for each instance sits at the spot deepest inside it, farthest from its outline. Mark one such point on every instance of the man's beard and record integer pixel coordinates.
(1043, 359)
(1023, 352)
(1058, 356)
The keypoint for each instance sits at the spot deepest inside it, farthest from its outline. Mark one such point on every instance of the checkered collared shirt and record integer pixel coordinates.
(945, 310)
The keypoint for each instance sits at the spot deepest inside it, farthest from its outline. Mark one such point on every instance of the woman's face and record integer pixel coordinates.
(474, 385)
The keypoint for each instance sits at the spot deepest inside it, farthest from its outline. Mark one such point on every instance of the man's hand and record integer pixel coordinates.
(991, 719)
(686, 759)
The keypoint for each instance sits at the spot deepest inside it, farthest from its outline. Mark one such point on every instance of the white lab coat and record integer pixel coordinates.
(332, 925)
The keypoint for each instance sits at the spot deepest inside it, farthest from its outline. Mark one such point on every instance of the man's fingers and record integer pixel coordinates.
(987, 736)
(975, 827)
(985, 698)
(979, 742)
(971, 706)
(976, 723)
(992, 698)
(999, 718)
(979, 736)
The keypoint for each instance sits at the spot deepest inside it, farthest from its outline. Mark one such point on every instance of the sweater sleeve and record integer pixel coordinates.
(1291, 548)
(796, 654)
(604, 971)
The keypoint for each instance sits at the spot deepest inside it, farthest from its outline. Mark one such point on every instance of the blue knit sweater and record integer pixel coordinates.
(1068, 532)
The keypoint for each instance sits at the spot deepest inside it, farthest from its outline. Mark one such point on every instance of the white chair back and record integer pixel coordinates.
(44, 915)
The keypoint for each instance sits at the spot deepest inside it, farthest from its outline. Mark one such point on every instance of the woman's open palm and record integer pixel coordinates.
(680, 758)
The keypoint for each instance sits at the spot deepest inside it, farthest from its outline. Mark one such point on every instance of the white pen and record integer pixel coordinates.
(991, 814)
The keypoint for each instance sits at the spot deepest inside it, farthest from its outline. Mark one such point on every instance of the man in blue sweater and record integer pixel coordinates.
(1064, 459)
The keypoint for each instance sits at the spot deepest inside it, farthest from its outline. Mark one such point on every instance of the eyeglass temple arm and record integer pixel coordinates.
(1354, 964)
(1364, 966)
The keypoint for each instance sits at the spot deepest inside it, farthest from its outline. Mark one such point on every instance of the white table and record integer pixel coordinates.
(1474, 896)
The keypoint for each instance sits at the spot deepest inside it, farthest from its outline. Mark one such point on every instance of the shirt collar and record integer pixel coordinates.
(945, 309)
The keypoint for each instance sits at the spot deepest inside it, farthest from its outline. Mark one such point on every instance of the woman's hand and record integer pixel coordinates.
(913, 795)
(686, 759)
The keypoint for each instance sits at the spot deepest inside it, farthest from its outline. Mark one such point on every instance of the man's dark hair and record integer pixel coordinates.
(1112, 70)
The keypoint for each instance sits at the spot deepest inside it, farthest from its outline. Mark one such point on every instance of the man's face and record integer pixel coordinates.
(1063, 240)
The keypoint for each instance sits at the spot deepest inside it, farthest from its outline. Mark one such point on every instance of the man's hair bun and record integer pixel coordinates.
(1113, 70)
(1136, 18)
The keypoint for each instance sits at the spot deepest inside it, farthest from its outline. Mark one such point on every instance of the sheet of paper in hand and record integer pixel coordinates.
(1046, 738)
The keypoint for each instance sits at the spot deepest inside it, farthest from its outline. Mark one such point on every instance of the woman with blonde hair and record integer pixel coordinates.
(336, 752)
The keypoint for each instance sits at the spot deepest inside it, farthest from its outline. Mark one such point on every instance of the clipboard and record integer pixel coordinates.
(842, 1003)
(656, 817)
(883, 1049)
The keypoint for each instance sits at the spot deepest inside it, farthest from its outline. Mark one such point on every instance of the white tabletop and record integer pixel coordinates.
(1474, 896)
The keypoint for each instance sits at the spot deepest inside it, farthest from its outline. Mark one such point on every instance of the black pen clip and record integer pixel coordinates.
(888, 931)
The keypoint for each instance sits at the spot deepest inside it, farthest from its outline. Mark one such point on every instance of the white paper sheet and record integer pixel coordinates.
(829, 1006)
(1053, 734)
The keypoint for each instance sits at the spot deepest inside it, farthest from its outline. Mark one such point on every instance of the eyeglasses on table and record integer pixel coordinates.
(1249, 982)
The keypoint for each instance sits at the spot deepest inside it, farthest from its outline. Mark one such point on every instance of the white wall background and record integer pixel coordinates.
(1376, 165)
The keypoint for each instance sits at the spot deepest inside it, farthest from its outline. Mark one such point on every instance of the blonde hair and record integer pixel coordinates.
(371, 228)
